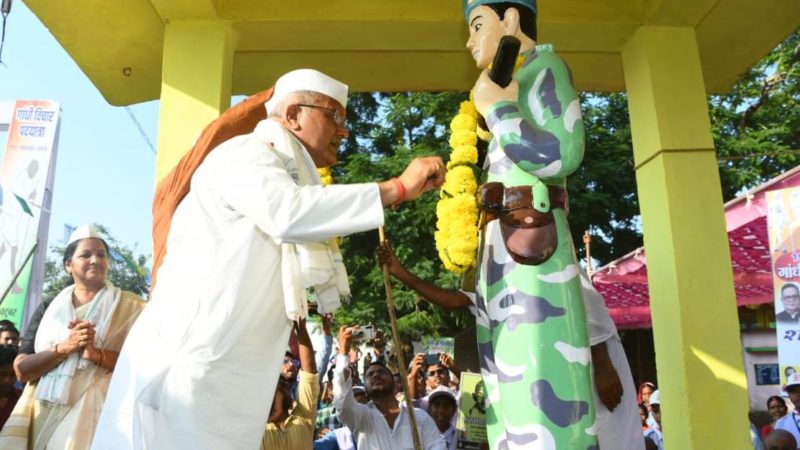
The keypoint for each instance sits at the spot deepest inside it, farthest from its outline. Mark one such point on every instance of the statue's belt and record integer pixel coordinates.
(526, 218)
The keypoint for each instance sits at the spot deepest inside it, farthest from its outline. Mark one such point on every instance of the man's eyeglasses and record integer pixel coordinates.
(437, 372)
(337, 117)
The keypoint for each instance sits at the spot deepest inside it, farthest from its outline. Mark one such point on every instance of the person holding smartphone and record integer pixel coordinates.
(428, 372)
(383, 423)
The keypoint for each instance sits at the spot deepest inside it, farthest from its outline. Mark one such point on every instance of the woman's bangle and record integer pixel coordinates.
(102, 358)
(58, 356)
(401, 192)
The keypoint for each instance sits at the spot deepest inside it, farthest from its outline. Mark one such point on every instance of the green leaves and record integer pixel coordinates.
(395, 128)
(757, 124)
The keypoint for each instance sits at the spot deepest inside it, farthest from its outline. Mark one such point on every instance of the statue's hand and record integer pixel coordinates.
(488, 93)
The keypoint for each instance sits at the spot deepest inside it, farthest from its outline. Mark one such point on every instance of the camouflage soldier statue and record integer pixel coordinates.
(532, 333)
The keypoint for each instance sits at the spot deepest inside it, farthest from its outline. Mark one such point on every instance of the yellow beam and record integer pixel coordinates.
(187, 9)
(670, 12)
(617, 11)
(107, 38)
(362, 72)
(695, 324)
(117, 44)
(196, 86)
(394, 57)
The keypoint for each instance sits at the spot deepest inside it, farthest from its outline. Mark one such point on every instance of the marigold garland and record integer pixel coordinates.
(326, 176)
(457, 210)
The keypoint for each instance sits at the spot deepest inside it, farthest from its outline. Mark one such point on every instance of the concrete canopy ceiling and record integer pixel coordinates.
(380, 45)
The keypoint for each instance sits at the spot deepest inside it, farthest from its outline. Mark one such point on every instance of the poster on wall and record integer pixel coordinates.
(783, 221)
(26, 180)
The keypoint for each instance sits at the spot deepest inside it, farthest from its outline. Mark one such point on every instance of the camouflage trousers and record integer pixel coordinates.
(534, 348)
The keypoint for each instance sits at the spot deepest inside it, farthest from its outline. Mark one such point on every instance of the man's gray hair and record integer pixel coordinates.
(307, 97)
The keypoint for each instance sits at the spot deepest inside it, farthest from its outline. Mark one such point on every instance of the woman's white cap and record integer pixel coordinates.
(84, 231)
(307, 80)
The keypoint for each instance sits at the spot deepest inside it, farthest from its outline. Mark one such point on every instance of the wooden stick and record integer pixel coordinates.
(587, 241)
(387, 284)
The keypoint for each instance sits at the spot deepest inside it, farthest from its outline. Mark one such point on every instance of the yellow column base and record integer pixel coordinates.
(695, 322)
(195, 88)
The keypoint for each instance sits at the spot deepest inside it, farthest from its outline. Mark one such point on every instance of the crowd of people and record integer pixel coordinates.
(331, 394)
(356, 403)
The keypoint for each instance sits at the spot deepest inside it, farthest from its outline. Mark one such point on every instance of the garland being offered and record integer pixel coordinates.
(457, 210)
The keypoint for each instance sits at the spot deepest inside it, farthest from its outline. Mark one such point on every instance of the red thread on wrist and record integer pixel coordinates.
(401, 192)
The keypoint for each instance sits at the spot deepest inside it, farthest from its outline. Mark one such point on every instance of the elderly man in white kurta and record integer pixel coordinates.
(255, 232)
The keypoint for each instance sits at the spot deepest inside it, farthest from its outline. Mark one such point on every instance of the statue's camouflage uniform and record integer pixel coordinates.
(532, 333)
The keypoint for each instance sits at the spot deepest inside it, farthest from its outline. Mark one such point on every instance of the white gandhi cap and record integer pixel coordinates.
(84, 232)
(307, 80)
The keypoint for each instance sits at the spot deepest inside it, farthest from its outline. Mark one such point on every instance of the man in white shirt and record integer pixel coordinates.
(618, 420)
(383, 423)
(791, 421)
(255, 232)
(442, 407)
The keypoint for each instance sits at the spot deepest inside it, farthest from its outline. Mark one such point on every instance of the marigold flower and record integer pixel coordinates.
(464, 154)
(463, 137)
(463, 122)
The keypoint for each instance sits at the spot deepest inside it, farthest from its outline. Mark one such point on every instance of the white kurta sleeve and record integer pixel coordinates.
(601, 327)
(350, 412)
(253, 181)
(429, 433)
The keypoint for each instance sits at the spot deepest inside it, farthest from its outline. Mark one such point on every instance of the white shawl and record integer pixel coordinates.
(316, 265)
(54, 386)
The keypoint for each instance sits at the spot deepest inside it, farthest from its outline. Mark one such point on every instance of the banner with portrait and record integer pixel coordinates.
(471, 425)
(783, 222)
(26, 186)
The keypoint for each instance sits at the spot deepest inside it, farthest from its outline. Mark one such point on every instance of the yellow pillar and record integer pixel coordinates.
(695, 324)
(195, 87)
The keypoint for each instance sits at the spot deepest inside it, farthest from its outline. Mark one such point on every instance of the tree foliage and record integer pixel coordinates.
(602, 192)
(125, 268)
(400, 127)
(756, 127)
(757, 124)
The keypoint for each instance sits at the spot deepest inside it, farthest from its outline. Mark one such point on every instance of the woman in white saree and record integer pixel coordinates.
(68, 365)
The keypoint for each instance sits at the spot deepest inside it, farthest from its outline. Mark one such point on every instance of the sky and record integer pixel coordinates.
(105, 170)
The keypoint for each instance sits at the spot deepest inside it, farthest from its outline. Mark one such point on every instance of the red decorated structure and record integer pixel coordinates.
(623, 283)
